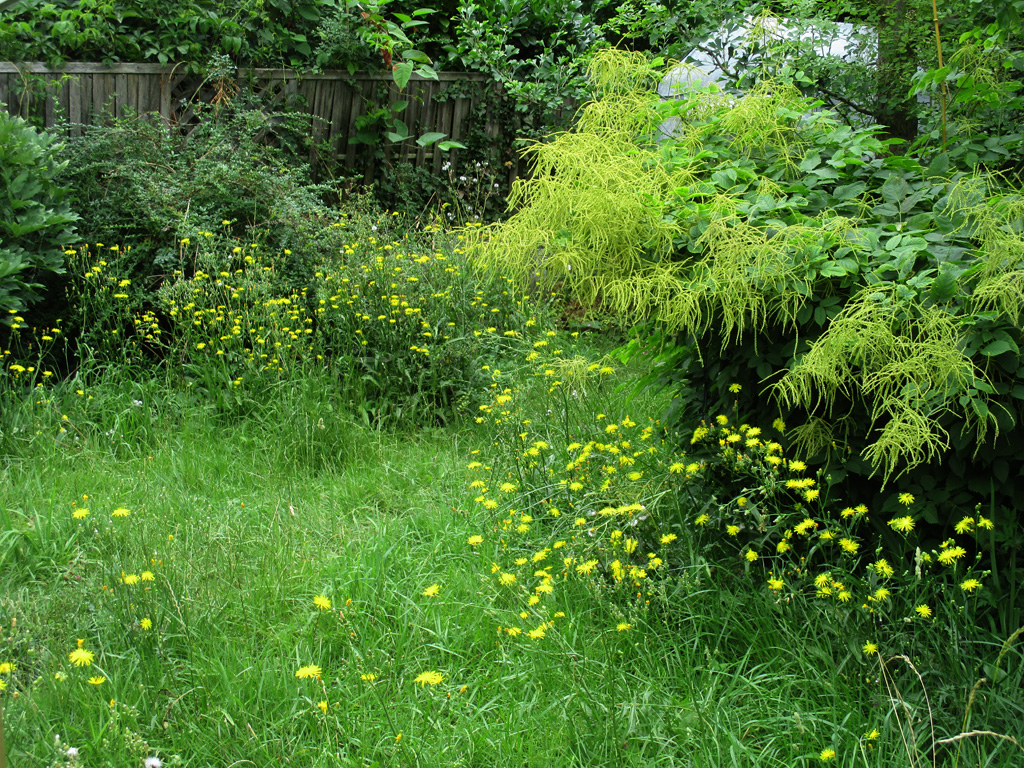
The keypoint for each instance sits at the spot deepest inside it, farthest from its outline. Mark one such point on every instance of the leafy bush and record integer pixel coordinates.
(35, 218)
(400, 324)
(262, 34)
(875, 297)
(134, 183)
(590, 505)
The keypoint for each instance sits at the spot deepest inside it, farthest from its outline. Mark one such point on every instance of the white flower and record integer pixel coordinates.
(152, 762)
(72, 752)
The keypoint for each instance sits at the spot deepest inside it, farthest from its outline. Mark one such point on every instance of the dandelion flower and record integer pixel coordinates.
(97, 680)
(80, 514)
(146, 624)
(323, 707)
(870, 648)
(969, 585)
(81, 657)
(827, 755)
(902, 524)
(130, 579)
(507, 579)
(751, 556)
(923, 611)
(538, 633)
(322, 602)
(587, 567)
(702, 520)
(965, 525)
(985, 523)
(881, 594)
(368, 677)
(668, 538)
(797, 466)
(431, 591)
(507, 488)
(734, 388)
(474, 540)
(775, 584)
(147, 576)
(677, 468)
(732, 530)
(812, 494)
(906, 499)
(883, 569)
(311, 670)
(849, 546)
(623, 626)
(120, 512)
(951, 555)
(428, 678)
(805, 527)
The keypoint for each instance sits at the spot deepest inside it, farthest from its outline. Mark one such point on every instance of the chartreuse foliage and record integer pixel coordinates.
(875, 298)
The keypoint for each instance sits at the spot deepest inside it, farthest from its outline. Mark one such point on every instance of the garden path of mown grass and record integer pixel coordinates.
(240, 543)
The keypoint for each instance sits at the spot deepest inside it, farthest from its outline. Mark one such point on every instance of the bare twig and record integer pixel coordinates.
(972, 734)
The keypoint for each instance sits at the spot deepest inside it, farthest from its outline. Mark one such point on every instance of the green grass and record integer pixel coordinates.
(241, 530)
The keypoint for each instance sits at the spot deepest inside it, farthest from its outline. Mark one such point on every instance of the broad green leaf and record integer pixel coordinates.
(426, 72)
(809, 163)
(944, 285)
(402, 73)
(849, 191)
(998, 347)
(418, 56)
(430, 138)
(894, 190)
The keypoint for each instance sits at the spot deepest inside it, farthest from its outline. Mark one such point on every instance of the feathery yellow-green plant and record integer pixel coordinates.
(750, 216)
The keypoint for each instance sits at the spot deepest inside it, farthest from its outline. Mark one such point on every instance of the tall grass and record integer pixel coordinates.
(231, 559)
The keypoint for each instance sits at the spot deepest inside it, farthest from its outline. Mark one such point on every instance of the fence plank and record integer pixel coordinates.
(334, 101)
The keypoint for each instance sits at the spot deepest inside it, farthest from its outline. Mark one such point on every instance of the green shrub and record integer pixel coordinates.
(35, 218)
(875, 297)
(397, 320)
(589, 503)
(134, 183)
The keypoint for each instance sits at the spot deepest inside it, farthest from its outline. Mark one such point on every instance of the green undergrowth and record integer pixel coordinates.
(292, 586)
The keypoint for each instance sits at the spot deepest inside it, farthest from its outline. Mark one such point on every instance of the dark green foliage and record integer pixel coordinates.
(260, 33)
(35, 219)
(134, 185)
(874, 300)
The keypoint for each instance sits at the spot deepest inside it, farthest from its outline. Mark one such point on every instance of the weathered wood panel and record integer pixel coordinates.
(93, 94)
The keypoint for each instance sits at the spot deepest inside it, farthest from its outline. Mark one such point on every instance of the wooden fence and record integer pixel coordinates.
(82, 94)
